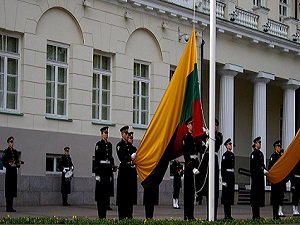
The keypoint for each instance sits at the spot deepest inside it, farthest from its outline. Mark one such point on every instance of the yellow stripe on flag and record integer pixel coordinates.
(167, 115)
(286, 162)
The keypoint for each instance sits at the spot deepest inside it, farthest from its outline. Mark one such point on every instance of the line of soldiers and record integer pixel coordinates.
(258, 170)
(195, 182)
(196, 176)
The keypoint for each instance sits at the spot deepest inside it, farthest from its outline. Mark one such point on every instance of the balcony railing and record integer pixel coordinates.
(245, 18)
(277, 29)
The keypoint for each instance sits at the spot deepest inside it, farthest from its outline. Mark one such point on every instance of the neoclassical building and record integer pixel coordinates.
(69, 67)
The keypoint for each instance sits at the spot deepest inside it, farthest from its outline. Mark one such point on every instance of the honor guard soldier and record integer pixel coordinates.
(134, 173)
(11, 162)
(191, 154)
(277, 190)
(295, 188)
(125, 185)
(228, 181)
(103, 170)
(257, 172)
(177, 172)
(67, 168)
(204, 172)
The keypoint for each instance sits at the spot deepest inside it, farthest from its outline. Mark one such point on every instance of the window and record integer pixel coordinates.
(9, 72)
(141, 87)
(56, 80)
(172, 71)
(283, 9)
(257, 3)
(101, 105)
(52, 163)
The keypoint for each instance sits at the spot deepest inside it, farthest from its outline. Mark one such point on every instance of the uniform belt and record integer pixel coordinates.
(297, 176)
(193, 156)
(104, 162)
(230, 170)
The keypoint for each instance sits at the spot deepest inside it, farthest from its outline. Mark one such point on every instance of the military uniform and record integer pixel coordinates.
(257, 167)
(103, 170)
(228, 180)
(191, 154)
(177, 172)
(295, 188)
(11, 163)
(126, 191)
(65, 165)
(204, 173)
(277, 190)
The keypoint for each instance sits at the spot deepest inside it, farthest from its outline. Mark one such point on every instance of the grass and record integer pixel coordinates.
(75, 220)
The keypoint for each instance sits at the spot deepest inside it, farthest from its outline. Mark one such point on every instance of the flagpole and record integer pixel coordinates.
(212, 75)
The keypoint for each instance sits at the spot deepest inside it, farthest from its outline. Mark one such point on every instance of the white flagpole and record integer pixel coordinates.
(212, 75)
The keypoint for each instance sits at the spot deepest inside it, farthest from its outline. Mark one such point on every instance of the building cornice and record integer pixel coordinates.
(179, 14)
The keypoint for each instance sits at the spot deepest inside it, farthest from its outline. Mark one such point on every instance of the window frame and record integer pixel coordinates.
(101, 73)
(283, 6)
(56, 158)
(141, 80)
(56, 64)
(259, 3)
(16, 56)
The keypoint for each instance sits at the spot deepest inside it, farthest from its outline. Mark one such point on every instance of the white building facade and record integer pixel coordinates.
(69, 67)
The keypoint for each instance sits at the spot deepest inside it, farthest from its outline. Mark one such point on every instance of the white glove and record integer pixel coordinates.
(133, 155)
(97, 178)
(266, 172)
(195, 171)
(205, 130)
(224, 184)
(64, 170)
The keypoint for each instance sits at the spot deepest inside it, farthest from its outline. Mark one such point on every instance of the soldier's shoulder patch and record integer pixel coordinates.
(118, 147)
(252, 156)
(96, 148)
(224, 157)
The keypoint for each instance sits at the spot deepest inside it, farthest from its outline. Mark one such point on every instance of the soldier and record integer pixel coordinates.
(125, 185)
(191, 154)
(204, 173)
(67, 168)
(177, 172)
(103, 169)
(134, 173)
(257, 171)
(277, 190)
(228, 181)
(295, 188)
(11, 162)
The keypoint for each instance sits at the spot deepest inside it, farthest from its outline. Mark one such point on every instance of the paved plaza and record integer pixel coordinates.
(161, 211)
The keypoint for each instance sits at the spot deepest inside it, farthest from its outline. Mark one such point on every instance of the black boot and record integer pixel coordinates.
(9, 204)
(65, 200)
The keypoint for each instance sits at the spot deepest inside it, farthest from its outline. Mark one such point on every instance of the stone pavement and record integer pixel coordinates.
(161, 211)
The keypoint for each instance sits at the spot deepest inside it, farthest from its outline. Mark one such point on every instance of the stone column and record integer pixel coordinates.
(289, 111)
(226, 116)
(259, 123)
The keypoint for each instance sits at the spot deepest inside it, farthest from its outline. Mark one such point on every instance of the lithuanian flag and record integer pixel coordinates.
(163, 139)
(286, 162)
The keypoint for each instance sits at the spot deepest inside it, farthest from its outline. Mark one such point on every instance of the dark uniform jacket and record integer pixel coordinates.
(66, 162)
(134, 175)
(203, 176)
(277, 190)
(177, 171)
(11, 163)
(103, 169)
(125, 182)
(257, 166)
(227, 173)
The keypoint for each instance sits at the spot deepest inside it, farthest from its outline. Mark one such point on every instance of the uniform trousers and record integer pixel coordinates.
(125, 210)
